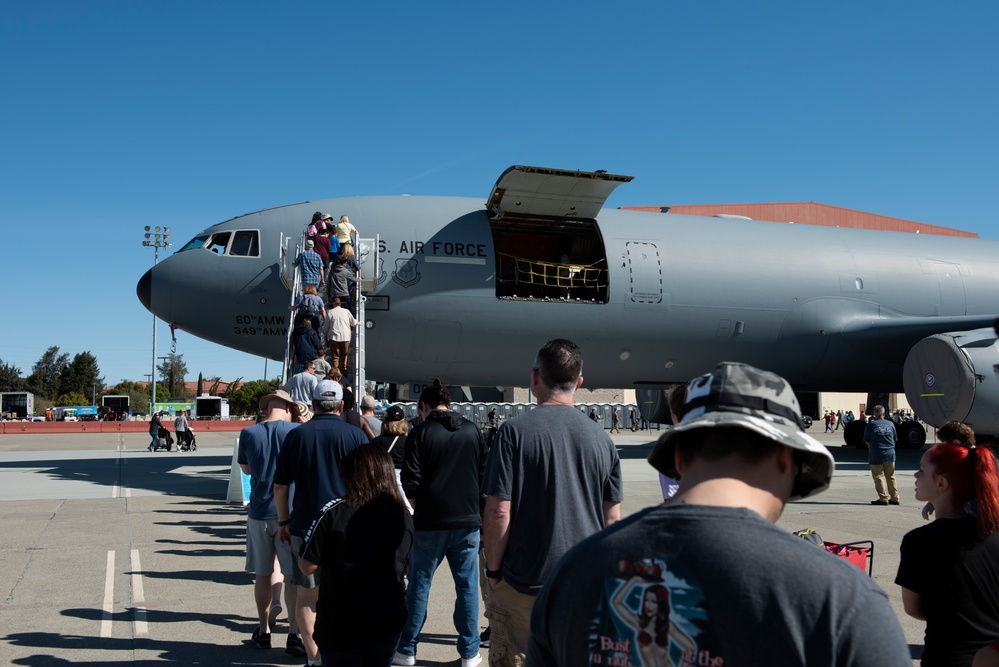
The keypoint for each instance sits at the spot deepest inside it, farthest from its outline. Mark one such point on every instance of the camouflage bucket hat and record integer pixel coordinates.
(743, 396)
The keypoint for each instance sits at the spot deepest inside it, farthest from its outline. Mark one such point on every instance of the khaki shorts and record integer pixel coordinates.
(262, 545)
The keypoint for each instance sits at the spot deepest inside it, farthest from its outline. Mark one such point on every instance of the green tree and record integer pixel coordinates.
(10, 377)
(72, 398)
(173, 370)
(47, 372)
(82, 376)
(232, 387)
(246, 399)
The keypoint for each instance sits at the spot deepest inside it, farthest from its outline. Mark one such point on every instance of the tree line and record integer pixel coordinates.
(56, 380)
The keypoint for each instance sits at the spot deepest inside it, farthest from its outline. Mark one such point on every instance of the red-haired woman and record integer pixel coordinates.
(949, 569)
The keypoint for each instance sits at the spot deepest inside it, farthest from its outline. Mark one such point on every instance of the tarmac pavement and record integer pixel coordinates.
(113, 554)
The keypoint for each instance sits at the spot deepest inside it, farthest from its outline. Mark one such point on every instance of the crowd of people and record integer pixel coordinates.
(375, 506)
(323, 322)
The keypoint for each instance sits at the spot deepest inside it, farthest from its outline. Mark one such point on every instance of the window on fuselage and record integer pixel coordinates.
(196, 242)
(245, 244)
(219, 242)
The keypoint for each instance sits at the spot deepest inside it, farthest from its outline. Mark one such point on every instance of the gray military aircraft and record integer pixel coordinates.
(467, 290)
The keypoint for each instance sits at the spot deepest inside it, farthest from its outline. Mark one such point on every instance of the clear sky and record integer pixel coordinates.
(120, 114)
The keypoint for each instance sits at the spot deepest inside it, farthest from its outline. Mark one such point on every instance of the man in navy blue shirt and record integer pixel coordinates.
(310, 458)
(881, 437)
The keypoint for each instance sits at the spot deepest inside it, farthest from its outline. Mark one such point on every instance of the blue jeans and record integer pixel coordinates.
(461, 548)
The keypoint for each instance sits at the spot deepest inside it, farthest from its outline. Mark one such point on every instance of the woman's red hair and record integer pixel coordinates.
(973, 475)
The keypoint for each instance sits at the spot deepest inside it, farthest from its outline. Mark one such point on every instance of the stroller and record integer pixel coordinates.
(164, 439)
(187, 442)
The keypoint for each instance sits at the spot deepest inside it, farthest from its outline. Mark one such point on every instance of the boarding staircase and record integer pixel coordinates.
(365, 280)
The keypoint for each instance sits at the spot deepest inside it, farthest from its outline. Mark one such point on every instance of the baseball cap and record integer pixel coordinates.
(310, 244)
(368, 401)
(280, 394)
(328, 390)
(740, 395)
(394, 414)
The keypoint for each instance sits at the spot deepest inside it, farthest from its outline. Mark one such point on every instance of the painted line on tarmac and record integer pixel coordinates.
(108, 607)
(140, 627)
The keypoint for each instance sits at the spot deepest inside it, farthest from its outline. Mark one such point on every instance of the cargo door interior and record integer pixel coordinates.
(548, 244)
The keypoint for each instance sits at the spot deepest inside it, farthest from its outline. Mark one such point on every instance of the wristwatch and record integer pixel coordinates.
(286, 522)
(494, 574)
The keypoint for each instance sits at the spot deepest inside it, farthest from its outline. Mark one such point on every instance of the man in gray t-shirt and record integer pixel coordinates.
(553, 477)
(706, 578)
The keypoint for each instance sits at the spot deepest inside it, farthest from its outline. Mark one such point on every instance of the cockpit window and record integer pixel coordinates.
(219, 242)
(245, 244)
(196, 242)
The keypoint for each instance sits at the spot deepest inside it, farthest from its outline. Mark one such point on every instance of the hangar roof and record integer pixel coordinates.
(808, 213)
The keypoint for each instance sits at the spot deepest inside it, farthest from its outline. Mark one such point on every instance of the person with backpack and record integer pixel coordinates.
(311, 306)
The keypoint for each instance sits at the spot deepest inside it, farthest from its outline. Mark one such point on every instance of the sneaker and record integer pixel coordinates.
(484, 637)
(879, 502)
(259, 640)
(471, 662)
(272, 616)
(403, 659)
(294, 646)
(894, 502)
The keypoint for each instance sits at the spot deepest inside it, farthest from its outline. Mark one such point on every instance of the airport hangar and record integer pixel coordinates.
(804, 213)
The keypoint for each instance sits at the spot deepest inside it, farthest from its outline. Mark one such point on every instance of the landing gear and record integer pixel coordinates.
(911, 435)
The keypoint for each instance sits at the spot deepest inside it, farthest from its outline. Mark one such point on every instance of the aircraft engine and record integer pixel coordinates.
(955, 377)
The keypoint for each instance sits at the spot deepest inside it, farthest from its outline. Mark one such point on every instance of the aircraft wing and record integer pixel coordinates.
(892, 337)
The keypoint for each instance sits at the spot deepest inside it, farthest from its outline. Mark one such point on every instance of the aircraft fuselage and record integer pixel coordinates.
(670, 296)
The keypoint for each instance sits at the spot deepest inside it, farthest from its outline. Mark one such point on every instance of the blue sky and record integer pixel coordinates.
(115, 115)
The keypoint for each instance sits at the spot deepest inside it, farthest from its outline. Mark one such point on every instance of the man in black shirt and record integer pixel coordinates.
(441, 477)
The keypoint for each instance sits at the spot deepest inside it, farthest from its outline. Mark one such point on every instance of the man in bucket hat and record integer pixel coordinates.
(259, 446)
(706, 578)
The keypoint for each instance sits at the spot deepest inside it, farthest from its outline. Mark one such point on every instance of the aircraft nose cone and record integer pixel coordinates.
(144, 289)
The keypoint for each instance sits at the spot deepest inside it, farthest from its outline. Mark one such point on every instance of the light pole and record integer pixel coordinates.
(156, 238)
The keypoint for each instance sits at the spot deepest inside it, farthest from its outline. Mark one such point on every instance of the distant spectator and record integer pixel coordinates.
(154, 430)
(368, 413)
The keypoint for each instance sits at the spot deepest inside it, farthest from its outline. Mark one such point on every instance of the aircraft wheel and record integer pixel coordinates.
(911, 435)
(853, 434)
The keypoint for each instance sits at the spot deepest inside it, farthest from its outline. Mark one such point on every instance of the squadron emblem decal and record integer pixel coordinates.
(407, 272)
(382, 275)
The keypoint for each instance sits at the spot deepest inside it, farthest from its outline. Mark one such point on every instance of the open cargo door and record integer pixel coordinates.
(548, 244)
